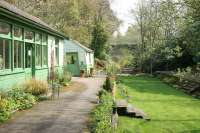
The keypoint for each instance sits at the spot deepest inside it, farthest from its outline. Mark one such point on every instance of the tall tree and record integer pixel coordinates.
(75, 18)
(99, 39)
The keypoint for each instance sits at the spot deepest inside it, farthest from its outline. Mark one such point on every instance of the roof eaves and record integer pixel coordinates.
(82, 46)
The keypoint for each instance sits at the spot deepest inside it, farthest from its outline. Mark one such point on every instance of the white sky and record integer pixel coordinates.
(122, 9)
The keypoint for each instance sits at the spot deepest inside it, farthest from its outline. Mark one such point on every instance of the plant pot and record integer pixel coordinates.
(82, 73)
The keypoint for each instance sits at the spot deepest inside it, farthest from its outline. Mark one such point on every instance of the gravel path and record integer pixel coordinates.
(68, 114)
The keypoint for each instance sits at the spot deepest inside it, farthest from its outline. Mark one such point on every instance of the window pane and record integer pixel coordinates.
(57, 51)
(28, 55)
(15, 54)
(4, 54)
(1, 55)
(57, 42)
(72, 60)
(7, 57)
(17, 32)
(38, 55)
(38, 38)
(44, 39)
(20, 57)
(44, 52)
(4, 28)
(57, 56)
(29, 35)
(18, 54)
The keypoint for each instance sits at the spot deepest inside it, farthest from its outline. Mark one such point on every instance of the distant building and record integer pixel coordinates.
(28, 47)
(78, 58)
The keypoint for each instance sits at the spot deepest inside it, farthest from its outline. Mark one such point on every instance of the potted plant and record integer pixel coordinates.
(82, 73)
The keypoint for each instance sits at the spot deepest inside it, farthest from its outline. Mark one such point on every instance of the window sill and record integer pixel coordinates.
(29, 41)
(17, 39)
(9, 72)
(40, 68)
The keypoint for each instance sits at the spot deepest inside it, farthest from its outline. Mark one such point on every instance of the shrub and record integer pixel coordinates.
(112, 68)
(21, 100)
(36, 87)
(102, 114)
(108, 85)
(5, 110)
(170, 79)
(64, 78)
(15, 99)
(102, 92)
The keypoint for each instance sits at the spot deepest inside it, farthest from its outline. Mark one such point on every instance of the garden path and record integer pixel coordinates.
(68, 114)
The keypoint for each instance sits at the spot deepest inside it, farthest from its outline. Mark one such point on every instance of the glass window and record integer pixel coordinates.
(38, 55)
(17, 32)
(90, 58)
(18, 54)
(72, 61)
(57, 51)
(29, 35)
(4, 28)
(44, 55)
(44, 39)
(4, 54)
(38, 38)
(28, 55)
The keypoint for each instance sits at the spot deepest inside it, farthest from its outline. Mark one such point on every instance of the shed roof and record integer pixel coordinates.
(7, 8)
(82, 46)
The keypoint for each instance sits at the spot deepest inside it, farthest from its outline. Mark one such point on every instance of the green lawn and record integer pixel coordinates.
(170, 110)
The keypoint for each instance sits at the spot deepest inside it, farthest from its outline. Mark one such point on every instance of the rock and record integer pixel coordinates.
(121, 106)
(121, 103)
(136, 112)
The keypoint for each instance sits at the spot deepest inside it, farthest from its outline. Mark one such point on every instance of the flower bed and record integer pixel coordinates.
(15, 99)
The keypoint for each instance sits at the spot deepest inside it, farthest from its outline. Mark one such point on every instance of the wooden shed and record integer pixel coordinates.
(28, 47)
(79, 59)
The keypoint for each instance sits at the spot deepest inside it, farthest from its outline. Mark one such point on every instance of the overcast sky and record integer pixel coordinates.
(122, 9)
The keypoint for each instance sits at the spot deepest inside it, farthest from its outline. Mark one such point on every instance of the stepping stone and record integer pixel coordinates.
(121, 106)
(121, 103)
(136, 112)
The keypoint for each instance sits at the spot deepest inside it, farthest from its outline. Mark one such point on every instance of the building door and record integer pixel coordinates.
(29, 69)
(73, 63)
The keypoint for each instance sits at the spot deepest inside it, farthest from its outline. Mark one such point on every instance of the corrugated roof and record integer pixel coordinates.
(84, 47)
(18, 12)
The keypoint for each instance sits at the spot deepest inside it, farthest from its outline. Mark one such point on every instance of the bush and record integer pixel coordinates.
(15, 99)
(64, 78)
(36, 87)
(102, 114)
(5, 110)
(108, 85)
(170, 80)
(112, 68)
(20, 100)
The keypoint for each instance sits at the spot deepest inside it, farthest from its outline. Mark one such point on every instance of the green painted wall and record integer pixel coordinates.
(11, 80)
(41, 74)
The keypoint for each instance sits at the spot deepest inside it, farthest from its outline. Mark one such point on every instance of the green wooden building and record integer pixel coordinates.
(78, 58)
(28, 47)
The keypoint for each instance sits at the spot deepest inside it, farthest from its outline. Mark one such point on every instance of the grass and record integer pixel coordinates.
(170, 110)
